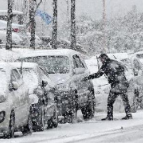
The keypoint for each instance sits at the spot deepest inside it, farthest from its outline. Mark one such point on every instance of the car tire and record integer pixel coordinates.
(29, 126)
(10, 133)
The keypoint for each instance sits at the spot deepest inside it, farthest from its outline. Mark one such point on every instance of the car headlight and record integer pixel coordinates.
(2, 116)
(2, 98)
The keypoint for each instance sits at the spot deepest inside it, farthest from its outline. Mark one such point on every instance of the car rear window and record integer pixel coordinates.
(51, 64)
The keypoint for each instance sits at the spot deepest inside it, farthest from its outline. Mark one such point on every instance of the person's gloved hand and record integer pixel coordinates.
(85, 79)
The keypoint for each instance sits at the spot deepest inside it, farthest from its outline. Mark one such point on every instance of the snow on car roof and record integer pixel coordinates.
(7, 55)
(24, 64)
(63, 52)
(6, 66)
(15, 12)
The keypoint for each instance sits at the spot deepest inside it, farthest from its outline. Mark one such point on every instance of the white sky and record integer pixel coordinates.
(92, 8)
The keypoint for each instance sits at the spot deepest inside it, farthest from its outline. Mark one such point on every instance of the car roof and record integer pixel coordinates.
(24, 64)
(6, 66)
(56, 52)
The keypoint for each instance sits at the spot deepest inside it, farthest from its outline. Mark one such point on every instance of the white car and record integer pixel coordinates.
(15, 103)
(67, 69)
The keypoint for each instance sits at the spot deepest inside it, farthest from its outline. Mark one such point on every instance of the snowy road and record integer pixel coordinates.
(89, 131)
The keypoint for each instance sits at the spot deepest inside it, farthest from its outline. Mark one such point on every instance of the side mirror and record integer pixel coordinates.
(13, 85)
(44, 83)
(78, 70)
(33, 98)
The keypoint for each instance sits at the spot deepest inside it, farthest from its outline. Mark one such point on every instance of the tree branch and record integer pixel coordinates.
(37, 6)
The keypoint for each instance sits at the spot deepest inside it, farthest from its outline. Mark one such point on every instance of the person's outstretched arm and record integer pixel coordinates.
(95, 75)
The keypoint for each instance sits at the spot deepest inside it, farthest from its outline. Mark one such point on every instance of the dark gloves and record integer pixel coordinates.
(85, 79)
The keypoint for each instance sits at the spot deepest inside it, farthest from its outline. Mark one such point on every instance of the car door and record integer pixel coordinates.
(82, 86)
(22, 109)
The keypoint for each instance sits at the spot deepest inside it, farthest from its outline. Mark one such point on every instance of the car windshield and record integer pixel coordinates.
(3, 81)
(51, 64)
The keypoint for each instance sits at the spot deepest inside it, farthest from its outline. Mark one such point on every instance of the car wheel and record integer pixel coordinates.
(10, 133)
(28, 128)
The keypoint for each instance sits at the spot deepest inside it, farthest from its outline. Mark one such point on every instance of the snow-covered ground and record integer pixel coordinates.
(90, 131)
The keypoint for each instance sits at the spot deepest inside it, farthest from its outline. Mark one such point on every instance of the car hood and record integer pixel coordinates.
(59, 78)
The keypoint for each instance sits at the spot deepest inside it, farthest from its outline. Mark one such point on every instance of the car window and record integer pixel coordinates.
(51, 64)
(77, 62)
(15, 76)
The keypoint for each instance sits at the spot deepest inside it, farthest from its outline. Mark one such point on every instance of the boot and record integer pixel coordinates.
(107, 118)
(127, 117)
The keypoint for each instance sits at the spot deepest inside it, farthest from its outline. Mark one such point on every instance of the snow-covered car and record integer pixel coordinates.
(44, 112)
(136, 82)
(15, 113)
(67, 69)
(15, 26)
(16, 39)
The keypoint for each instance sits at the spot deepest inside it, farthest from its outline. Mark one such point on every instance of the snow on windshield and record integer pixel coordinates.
(52, 64)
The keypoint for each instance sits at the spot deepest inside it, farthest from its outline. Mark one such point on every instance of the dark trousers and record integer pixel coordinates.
(111, 99)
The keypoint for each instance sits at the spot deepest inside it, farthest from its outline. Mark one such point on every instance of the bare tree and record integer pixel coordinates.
(54, 32)
(73, 25)
(33, 6)
(32, 23)
(9, 26)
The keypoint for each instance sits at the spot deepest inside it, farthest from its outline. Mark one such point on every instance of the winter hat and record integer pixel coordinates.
(103, 56)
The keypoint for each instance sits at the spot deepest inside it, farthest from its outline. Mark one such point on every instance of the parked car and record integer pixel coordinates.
(134, 74)
(44, 112)
(67, 69)
(16, 39)
(15, 111)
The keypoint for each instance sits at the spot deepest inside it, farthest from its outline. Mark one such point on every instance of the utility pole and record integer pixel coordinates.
(73, 26)
(54, 32)
(9, 26)
(32, 23)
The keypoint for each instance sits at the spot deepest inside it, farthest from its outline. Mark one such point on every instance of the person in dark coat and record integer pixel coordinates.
(114, 71)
